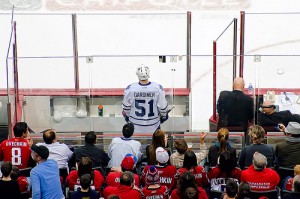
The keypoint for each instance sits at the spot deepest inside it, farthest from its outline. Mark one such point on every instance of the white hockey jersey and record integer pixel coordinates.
(143, 104)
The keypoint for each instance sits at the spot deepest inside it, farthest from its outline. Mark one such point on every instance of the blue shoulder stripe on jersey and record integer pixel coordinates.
(125, 105)
(128, 87)
(126, 139)
(164, 109)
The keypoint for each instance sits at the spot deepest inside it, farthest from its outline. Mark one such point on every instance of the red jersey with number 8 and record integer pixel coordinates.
(16, 151)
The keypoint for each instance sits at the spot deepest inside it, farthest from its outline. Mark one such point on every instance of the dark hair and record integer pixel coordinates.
(231, 188)
(90, 137)
(6, 168)
(180, 145)
(223, 135)
(85, 166)
(190, 160)
(49, 136)
(85, 181)
(187, 182)
(20, 128)
(128, 130)
(158, 140)
(244, 190)
(227, 163)
(15, 173)
(126, 178)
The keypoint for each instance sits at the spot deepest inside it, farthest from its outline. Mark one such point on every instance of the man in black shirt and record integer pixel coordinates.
(98, 156)
(235, 109)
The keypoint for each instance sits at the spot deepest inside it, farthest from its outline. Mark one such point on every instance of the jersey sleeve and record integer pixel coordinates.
(127, 101)
(162, 103)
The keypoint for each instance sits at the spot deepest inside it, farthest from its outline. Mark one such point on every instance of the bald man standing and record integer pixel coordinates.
(235, 109)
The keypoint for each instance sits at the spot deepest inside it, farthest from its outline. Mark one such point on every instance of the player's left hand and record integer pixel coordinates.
(125, 117)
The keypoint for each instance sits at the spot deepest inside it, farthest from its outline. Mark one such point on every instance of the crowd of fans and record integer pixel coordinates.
(166, 175)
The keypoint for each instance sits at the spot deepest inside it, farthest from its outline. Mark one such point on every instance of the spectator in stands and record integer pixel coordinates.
(295, 194)
(231, 190)
(257, 136)
(269, 117)
(153, 189)
(9, 189)
(244, 191)
(180, 145)
(22, 180)
(235, 109)
(220, 146)
(44, 178)
(287, 151)
(226, 169)
(288, 181)
(190, 164)
(17, 150)
(126, 189)
(98, 157)
(167, 172)
(84, 166)
(57, 151)
(258, 176)
(187, 188)
(85, 190)
(127, 164)
(120, 146)
(159, 139)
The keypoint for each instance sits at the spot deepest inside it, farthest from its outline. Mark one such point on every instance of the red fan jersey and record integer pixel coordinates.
(167, 175)
(199, 173)
(23, 183)
(202, 194)
(160, 192)
(113, 179)
(124, 192)
(264, 180)
(17, 151)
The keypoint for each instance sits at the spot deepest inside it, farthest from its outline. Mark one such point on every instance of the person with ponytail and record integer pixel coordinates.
(220, 146)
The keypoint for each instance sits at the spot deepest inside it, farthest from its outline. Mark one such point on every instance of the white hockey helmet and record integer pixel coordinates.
(143, 72)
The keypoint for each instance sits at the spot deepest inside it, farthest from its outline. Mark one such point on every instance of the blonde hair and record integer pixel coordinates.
(297, 169)
(223, 135)
(257, 134)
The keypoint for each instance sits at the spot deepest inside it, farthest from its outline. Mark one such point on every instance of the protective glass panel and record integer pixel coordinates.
(271, 64)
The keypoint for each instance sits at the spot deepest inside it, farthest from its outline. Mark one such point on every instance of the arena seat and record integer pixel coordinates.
(25, 172)
(284, 172)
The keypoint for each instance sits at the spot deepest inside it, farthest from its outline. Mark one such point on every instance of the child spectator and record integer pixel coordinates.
(288, 181)
(9, 189)
(167, 172)
(85, 190)
(22, 180)
(85, 166)
(127, 164)
(231, 190)
(153, 188)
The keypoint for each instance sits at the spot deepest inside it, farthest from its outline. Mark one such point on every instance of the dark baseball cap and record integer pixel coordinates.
(42, 151)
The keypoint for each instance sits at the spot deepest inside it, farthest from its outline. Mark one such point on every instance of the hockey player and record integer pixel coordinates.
(144, 103)
(17, 149)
